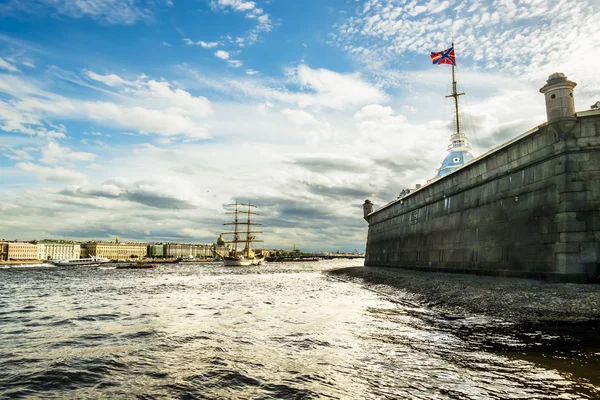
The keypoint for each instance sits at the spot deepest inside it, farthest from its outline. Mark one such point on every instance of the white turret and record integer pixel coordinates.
(560, 103)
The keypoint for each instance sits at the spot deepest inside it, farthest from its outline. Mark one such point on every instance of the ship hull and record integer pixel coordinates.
(234, 262)
(81, 262)
(242, 261)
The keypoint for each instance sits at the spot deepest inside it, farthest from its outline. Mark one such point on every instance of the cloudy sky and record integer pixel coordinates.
(142, 118)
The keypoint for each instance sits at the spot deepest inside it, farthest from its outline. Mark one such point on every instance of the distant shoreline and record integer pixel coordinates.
(517, 300)
(21, 262)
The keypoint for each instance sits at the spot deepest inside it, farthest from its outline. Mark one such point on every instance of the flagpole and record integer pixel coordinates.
(455, 94)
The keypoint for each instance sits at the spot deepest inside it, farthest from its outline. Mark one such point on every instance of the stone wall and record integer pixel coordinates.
(530, 208)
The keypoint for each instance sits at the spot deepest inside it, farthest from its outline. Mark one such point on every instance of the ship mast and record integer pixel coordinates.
(248, 234)
(236, 228)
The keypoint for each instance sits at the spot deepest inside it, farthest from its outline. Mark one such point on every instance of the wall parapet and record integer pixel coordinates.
(526, 187)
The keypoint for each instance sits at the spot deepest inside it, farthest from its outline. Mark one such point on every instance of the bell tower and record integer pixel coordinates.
(558, 92)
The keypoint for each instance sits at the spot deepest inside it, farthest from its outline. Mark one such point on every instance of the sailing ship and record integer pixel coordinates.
(242, 233)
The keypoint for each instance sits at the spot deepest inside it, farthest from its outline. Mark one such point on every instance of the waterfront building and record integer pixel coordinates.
(22, 251)
(114, 250)
(3, 251)
(156, 250)
(58, 251)
(176, 250)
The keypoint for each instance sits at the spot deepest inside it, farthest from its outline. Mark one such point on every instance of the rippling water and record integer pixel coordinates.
(274, 331)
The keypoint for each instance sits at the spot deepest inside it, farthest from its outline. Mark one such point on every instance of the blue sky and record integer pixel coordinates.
(142, 118)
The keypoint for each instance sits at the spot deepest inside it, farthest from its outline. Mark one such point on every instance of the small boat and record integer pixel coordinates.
(246, 235)
(136, 266)
(76, 262)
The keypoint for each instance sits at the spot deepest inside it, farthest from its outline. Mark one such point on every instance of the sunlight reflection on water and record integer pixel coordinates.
(275, 331)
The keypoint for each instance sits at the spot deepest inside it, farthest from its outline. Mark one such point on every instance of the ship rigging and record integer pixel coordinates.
(240, 235)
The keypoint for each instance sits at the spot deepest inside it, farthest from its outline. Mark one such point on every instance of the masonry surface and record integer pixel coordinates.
(530, 209)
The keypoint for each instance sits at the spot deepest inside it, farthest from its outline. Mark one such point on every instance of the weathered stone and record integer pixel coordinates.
(528, 209)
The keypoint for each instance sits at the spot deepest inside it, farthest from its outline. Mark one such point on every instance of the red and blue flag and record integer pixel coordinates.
(444, 57)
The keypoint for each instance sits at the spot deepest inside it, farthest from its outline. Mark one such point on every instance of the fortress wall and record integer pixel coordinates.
(529, 209)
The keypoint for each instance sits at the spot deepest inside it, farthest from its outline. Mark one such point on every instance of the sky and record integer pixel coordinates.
(144, 118)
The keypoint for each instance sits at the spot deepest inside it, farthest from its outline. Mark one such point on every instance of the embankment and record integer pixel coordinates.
(21, 262)
(510, 299)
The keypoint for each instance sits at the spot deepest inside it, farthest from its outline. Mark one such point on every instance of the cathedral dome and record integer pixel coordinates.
(220, 241)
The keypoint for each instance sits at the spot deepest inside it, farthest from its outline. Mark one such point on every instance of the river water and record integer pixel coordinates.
(275, 331)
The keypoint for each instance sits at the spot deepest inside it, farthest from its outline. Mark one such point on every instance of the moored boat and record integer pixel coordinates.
(77, 262)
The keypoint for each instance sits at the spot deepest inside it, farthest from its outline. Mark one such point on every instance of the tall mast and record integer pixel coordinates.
(235, 229)
(248, 233)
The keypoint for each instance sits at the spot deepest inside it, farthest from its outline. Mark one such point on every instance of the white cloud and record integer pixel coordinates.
(57, 174)
(166, 44)
(264, 107)
(525, 39)
(201, 43)
(237, 5)
(110, 11)
(8, 66)
(109, 80)
(299, 117)
(196, 233)
(319, 88)
(251, 11)
(19, 117)
(373, 110)
(252, 72)
(336, 90)
(15, 154)
(145, 105)
(207, 45)
(223, 55)
(53, 154)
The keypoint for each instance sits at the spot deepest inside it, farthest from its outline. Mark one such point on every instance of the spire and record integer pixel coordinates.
(458, 140)
(459, 147)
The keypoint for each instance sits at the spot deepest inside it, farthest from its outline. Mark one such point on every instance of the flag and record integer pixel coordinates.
(444, 57)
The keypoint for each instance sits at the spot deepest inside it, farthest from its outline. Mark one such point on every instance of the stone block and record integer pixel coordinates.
(577, 186)
(590, 252)
(549, 238)
(592, 165)
(573, 196)
(576, 237)
(570, 226)
(583, 141)
(489, 254)
(565, 217)
(565, 261)
(568, 247)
